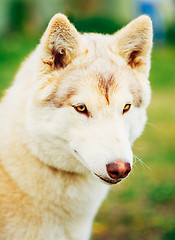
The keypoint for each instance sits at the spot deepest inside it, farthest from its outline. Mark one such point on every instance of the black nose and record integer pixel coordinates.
(118, 169)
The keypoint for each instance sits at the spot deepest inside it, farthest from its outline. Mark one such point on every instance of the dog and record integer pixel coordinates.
(67, 124)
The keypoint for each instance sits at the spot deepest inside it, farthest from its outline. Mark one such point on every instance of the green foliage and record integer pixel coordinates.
(17, 13)
(169, 235)
(96, 24)
(13, 50)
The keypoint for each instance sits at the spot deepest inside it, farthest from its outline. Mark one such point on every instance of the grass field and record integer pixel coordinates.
(143, 206)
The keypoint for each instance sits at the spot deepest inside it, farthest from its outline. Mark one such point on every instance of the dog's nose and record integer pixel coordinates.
(118, 169)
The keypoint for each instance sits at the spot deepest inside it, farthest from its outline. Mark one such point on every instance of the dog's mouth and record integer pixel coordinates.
(108, 180)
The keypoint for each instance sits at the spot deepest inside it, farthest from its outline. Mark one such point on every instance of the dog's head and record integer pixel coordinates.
(89, 100)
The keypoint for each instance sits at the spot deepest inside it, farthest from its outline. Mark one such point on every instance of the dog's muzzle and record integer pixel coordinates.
(117, 171)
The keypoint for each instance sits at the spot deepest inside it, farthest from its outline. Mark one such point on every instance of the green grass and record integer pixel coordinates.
(163, 68)
(143, 206)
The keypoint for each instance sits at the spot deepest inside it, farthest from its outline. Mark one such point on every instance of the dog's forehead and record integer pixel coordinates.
(99, 84)
(101, 81)
(97, 44)
(106, 76)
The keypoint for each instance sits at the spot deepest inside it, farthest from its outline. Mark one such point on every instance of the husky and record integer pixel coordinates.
(67, 125)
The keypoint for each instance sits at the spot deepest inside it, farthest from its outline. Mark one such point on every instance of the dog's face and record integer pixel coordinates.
(89, 100)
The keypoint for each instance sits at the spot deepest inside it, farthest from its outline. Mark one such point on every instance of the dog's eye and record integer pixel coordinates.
(81, 108)
(126, 108)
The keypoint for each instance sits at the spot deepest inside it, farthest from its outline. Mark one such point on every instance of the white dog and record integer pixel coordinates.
(67, 124)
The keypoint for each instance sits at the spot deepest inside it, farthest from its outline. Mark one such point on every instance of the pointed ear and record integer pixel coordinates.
(134, 43)
(59, 43)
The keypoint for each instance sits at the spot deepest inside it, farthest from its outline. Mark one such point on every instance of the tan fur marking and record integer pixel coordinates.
(46, 83)
(105, 85)
(132, 59)
(86, 52)
(57, 101)
(137, 98)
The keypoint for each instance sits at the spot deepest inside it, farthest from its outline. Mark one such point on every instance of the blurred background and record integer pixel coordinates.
(143, 206)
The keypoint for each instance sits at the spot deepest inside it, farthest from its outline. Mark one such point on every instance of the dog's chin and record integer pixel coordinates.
(109, 180)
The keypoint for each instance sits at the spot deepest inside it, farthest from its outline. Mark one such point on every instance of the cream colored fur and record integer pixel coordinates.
(49, 152)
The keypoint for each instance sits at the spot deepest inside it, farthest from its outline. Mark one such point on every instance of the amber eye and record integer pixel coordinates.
(126, 108)
(81, 108)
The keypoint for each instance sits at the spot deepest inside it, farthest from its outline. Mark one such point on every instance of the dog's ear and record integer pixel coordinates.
(134, 43)
(59, 43)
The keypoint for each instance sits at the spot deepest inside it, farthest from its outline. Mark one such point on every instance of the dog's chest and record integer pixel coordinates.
(72, 211)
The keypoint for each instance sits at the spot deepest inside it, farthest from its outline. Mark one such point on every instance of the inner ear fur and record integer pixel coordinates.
(59, 43)
(134, 43)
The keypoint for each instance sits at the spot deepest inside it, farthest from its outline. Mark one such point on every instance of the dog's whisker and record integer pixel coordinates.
(152, 125)
(137, 159)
